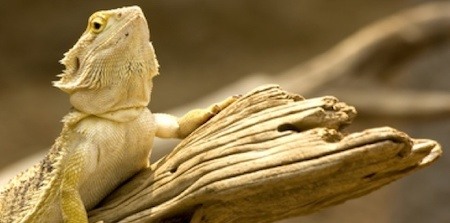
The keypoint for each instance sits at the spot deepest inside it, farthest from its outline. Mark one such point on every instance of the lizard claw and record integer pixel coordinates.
(216, 108)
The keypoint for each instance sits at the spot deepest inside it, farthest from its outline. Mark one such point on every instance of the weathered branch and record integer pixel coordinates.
(268, 156)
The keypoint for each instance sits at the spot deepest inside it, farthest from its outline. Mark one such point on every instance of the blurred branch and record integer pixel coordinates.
(269, 156)
(399, 103)
(374, 50)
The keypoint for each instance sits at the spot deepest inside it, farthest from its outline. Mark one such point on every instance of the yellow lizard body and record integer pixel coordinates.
(108, 135)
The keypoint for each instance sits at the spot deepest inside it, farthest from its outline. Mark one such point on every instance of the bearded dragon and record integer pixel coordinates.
(107, 136)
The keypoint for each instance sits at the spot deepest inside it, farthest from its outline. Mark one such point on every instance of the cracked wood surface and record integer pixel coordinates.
(269, 156)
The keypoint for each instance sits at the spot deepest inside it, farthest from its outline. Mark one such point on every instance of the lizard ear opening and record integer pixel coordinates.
(77, 63)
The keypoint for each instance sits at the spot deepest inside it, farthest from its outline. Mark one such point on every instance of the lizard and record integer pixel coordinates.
(108, 134)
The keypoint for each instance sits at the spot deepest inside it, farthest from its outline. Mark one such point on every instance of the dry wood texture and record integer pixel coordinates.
(268, 156)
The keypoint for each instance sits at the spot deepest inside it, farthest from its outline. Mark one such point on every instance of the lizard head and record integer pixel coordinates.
(111, 66)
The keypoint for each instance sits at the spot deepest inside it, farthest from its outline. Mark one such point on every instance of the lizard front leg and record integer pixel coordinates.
(169, 126)
(72, 206)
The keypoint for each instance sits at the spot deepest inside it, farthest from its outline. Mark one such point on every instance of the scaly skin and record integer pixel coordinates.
(108, 135)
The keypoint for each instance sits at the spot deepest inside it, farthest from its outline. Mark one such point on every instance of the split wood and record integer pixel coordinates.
(268, 156)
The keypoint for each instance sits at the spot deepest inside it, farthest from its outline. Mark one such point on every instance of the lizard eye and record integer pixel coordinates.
(97, 24)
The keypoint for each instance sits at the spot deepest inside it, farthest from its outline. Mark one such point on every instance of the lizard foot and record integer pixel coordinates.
(197, 117)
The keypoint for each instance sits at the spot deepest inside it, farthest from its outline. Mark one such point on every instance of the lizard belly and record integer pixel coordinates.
(120, 151)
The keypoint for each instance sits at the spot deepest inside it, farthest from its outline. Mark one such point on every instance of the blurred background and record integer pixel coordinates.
(202, 47)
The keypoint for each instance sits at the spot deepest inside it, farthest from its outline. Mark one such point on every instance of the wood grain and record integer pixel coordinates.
(268, 156)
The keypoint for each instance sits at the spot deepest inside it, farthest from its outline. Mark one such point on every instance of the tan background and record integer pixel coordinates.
(202, 46)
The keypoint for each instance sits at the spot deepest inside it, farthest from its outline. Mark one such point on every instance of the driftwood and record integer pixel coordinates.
(268, 156)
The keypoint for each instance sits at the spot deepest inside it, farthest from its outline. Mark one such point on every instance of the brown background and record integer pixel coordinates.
(202, 46)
